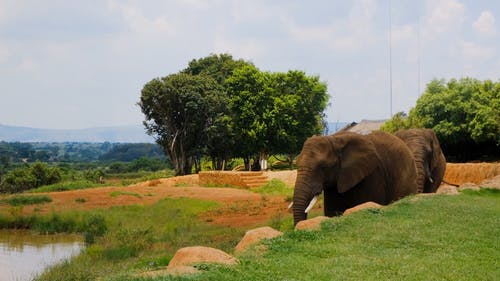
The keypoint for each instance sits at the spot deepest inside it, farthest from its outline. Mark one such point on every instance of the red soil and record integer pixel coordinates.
(238, 208)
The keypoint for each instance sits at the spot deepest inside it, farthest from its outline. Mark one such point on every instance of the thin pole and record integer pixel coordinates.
(390, 57)
(418, 51)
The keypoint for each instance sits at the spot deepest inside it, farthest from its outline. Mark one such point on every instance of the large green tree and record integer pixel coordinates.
(220, 137)
(465, 114)
(178, 109)
(274, 113)
(250, 103)
(298, 105)
(226, 108)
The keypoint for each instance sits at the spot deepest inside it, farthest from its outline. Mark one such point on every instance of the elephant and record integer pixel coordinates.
(351, 169)
(429, 159)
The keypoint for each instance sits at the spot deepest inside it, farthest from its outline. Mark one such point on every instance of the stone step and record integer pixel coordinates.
(254, 185)
(250, 174)
(253, 179)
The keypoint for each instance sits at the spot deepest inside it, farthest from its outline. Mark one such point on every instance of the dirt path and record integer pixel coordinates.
(239, 207)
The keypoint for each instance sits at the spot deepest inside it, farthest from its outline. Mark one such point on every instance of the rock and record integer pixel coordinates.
(447, 189)
(468, 185)
(256, 235)
(198, 254)
(366, 205)
(493, 182)
(310, 224)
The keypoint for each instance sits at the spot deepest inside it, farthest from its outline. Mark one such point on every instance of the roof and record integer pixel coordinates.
(364, 127)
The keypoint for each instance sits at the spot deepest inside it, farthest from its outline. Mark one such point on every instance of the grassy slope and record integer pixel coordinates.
(140, 238)
(433, 238)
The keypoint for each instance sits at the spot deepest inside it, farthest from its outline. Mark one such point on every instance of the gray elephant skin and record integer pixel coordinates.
(351, 169)
(429, 158)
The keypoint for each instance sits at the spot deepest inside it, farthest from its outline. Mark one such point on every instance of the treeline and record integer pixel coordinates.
(19, 152)
(465, 114)
(223, 108)
(25, 166)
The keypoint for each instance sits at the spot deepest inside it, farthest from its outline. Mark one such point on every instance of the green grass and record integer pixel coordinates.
(276, 187)
(21, 200)
(136, 238)
(135, 177)
(67, 185)
(430, 238)
(118, 193)
(126, 179)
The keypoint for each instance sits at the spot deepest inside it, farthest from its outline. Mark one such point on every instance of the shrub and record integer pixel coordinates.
(27, 200)
(29, 177)
(95, 225)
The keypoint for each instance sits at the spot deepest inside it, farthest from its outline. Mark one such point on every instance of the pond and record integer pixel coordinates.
(23, 255)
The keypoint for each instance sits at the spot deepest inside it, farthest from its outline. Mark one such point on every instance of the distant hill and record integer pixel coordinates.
(335, 126)
(125, 134)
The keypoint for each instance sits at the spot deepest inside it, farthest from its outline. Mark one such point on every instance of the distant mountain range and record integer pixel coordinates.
(124, 134)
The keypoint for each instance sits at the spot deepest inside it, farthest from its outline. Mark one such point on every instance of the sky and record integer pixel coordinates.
(80, 64)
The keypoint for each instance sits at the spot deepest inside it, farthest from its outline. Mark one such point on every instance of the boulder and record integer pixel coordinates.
(310, 224)
(188, 256)
(366, 205)
(493, 182)
(447, 189)
(256, 235)
(468, 185)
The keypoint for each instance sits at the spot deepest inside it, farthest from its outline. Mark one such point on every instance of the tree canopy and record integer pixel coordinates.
(224, 108)
(178, 109)
(465, 114)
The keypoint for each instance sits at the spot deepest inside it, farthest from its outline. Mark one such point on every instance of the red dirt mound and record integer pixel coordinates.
(460, 173)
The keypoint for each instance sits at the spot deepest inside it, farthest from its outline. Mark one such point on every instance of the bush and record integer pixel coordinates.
(28, 200)
(95, 225)
(94, 175)
(465, 114)
(18, 180)
(29, 177)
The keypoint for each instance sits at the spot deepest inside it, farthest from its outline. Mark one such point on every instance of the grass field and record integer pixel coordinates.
(429, 238)
(131, 239)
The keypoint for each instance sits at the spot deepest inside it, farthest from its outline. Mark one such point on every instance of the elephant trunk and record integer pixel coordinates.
(302, 196)
(422, 171)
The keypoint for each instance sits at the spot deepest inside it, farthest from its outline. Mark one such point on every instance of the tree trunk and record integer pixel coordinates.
(290, 160)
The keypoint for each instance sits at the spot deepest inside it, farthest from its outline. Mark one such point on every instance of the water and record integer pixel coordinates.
(24, 255)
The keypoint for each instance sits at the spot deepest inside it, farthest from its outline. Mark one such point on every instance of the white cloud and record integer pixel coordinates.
(4, 53)
(403, 33)
(350, 34)
(443, 15)
(485, 24)
(138, 22)
(248, 49)
(473, 51)
(27, 65)
(252, 11)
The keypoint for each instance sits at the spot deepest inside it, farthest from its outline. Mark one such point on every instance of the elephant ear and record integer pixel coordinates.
(358, 160)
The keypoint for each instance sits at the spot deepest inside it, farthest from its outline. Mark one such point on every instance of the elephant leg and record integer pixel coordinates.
(331, 202)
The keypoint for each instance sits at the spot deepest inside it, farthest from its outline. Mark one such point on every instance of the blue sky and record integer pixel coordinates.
(78, 64)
